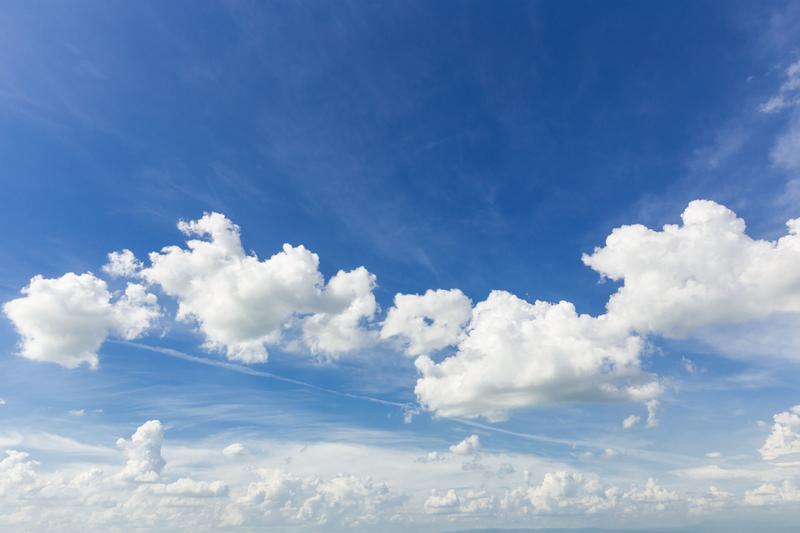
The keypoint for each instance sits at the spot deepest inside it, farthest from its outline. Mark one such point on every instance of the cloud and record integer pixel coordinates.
(16, 473)
(65, 320)
(680, 281)
(143, 452)
(771, 494)
(651, 493)
(427, 322)
(704, 272)
(234, 450)
(652, 407)
(242, 304)
(563, 493)
(468, 446)
(281, 498)
(630, 421)
(89, 500)
(515, 354)
(784, 441)
(442, 503)
(189, 487)
(122, 264)
(77, 412)
(788, 94)
(716, 472)
(786, 151)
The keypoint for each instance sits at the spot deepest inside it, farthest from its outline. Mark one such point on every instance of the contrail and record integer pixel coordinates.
(407, 407)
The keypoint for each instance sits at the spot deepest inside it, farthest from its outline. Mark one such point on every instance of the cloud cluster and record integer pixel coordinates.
(468, 446)
(771, 494)
(703, 272)
(143, 451)
(91, 500)
(242, 304)
(784, 440)
(504, 352)
(427, 322)
(202, 491)
(282, 498)
(675, 282)
(65, 320)
(515, 354)
(559, 493)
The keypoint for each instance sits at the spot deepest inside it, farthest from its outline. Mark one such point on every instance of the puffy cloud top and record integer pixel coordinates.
(468, 446)
(122, 264)
(65, 320)
(515, 354)
(242, 304)
(428, 322)
(704, 272)
(282, 498)
(143, 451)
(784, 441)
(675, 281)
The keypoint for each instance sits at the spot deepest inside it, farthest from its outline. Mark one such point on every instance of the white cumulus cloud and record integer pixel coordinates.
(280, 498)
(427, 322)
(784, 440)
(65, 320)
(143, 452)
(468, 446)
(515, 354)
(234, 450)
(704, 272)
(630, 421)
(243, 304)
(122, 264)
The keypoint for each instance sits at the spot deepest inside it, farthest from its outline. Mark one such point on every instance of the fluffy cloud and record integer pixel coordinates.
(771, 494)
(428, 322)
(65, 320)
(469, 502)
(677, 281)
(234, 450)
(468, 446)
(784, 441)
(515, 354)
(282, 498)
(559, 493)
(242, 304)
(630, 421)
(442, 503)
(562, 492)
(704, 272)
(122, 264)
(16, 473)
(90, 500)
(143, 451)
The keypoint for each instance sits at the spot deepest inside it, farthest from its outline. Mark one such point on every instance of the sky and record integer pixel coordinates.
(429, 266)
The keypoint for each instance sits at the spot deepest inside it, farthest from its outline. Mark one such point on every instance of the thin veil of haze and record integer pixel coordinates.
(400, 266)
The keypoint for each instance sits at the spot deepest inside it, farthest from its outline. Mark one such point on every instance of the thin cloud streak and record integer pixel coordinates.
(405, 406)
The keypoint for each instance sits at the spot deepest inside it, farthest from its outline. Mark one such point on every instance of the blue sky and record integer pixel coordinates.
(452, 147)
